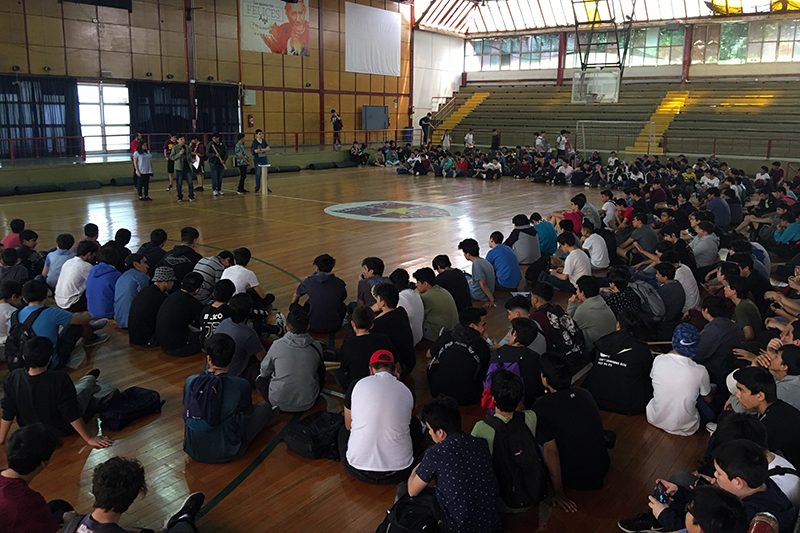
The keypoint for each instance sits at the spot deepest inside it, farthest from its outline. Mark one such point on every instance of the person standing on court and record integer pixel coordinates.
(171, 141)
(242, 159)
(182, 158)
(336, 122)
(427, 127)
(217, 154)
(143, 167)
(260, 160)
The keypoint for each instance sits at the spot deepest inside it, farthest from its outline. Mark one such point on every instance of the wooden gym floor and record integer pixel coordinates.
(271, 489)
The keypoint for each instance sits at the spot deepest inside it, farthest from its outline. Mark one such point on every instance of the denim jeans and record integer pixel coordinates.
(180, 176)
(560, 284)
(216, 177)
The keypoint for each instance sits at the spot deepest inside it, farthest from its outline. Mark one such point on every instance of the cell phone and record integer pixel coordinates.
(660, 493)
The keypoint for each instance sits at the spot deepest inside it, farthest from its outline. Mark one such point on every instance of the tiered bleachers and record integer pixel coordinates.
(746, 119)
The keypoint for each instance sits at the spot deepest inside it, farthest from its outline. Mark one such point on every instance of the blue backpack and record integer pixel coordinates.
(202, 399)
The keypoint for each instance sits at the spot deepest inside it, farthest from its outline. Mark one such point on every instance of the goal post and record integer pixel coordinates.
(619, 135)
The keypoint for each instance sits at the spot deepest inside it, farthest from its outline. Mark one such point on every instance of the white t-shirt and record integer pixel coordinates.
(577, 265)
(561, 142)
(709, 182)
(6, 310)
(609, 210)
(72, 282)
(684, 276)
(788, 483)
(380, 439)
(677, 382)
(411, 301)
(596, 247)
(469, 140)
(243, 278)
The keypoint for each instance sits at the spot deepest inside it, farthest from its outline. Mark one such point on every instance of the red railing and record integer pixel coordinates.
(13, 149)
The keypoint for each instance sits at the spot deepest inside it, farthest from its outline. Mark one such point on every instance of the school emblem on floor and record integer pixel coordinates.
(388, 211)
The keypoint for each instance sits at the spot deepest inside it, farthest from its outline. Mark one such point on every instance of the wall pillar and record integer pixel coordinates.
(562, 58)
(688, 40)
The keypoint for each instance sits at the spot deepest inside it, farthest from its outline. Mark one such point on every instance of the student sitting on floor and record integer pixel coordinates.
(291, 371)
(70, 292)
(570, 431)
(56, 259)
(116, 483)
(440, 311)
(145, 306)
(100, 285)
(459, 358)
(679, 385)
(505, 263)
(217, 310)
(326, 296)
(461, 465)
(133, 281)
(356, 351)
(63, 328)
(23, 509)
(221, 438)
(245, 279)
(249, 350)
(620, 378)
(506, 394)
(178, 319)
(375, 443)
(36, 394)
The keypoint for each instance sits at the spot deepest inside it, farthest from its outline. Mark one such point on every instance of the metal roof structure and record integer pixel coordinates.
(487, 17)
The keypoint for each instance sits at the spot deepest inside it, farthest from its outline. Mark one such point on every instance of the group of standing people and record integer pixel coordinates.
(187, 161)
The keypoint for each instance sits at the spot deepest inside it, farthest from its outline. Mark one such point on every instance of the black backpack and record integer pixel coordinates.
(413, 515)
(18, 334)
(203, 399)
(517, 463)
(315, 436)
(130, 405)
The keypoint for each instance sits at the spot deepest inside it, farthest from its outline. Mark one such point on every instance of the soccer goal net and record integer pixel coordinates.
(619, 135)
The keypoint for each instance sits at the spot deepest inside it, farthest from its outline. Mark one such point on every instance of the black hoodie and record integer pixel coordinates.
(620, 378)
(460, 358)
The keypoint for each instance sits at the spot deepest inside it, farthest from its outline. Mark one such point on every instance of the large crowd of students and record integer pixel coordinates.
(682, 302)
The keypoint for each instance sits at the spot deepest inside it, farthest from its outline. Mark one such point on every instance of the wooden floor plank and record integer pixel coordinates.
(285, 232)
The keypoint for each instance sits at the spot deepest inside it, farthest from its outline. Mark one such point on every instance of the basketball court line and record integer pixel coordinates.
(244, 474)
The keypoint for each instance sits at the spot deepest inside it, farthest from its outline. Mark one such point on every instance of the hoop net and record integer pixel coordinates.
(618, 135)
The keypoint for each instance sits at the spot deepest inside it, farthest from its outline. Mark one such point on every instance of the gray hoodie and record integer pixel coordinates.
(594, 317)
(705, 250)
(291, 366)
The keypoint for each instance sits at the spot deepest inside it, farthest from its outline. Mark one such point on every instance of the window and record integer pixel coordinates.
(656, 46)
(527, 52)
(105, 117)
(733, 43)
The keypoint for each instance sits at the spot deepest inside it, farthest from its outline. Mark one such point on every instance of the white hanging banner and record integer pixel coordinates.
(372, 40)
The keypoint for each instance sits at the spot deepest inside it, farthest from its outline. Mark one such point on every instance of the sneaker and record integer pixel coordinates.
(269, 190)
(169, 188)
(241, 192)
(711, 427)
(257, 191)
(180, 200)
(148, 198)
(198, 189)
(99, 338)
(188, 511)
(645, 522)
(280, 321)
(215, 193)
(191, 199)
(94, 372)
(220, 193)
(100, 323)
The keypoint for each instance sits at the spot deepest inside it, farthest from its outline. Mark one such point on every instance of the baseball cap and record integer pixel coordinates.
(381, 356)
(685, 339)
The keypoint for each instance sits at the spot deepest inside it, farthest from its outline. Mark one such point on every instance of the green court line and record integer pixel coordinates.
(238, 480)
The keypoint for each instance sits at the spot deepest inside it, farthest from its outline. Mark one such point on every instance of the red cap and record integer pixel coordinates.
(381, 356)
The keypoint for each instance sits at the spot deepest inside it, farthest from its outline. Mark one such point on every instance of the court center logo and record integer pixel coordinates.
(387, 211)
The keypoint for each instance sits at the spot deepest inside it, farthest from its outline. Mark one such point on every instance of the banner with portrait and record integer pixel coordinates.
(274, 26)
